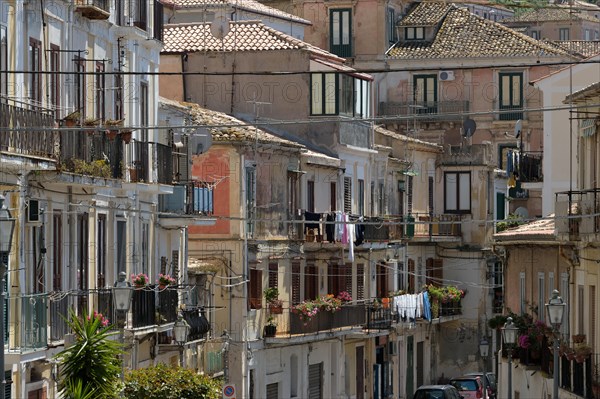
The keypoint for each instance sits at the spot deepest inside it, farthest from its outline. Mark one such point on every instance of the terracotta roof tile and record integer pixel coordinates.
(229, 129)
(466, 35)
(539, 229)
(242, 36)
(581, 48)
(549, 14)
(402, 137)
(248, 5)
(426, 14)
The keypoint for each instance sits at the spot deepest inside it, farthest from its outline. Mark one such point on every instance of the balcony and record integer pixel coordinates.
(33, 142)
(143, 307)
(139, 170)
(32, 323)
(527, 165)
(578, 215)
(168, 302)
(467, 155)
(430, 111)
(199, 324)
(434, 225)
(378, 317)
(164, 160)
(91, 153)
(93, 9)
(193, 198)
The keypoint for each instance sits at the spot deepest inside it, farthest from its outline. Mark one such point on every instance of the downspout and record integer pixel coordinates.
(184, 58)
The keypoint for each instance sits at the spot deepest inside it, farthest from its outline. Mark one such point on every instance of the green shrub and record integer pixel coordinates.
(170, 382)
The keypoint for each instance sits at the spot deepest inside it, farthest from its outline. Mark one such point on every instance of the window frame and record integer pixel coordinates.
(3, 62)
(460, 209)
(414, 33)
(502, 96)
(564, 34)
(392, 33)
(35, 67)
(54, 76)
(340, 39)
(421, 96)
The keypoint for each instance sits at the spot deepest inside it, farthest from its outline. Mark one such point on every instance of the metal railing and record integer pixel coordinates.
(434, 225)
(102, 4)
(32, 323)
(346, 316)
(447, 110)
(143, 307)
(28, 142)
(164, 163)
(168, 301)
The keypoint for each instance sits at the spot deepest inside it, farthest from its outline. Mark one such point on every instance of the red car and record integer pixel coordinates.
(469, 387)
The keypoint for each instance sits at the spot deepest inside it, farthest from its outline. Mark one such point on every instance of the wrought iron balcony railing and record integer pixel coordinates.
(39, 141)
(93, 9)
(432, 110)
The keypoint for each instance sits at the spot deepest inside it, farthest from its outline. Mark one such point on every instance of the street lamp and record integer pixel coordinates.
(484, 348)
(556, 310)
(7, 227)
(181, 329)
(225, 351)
(122, 293)
(509, 336)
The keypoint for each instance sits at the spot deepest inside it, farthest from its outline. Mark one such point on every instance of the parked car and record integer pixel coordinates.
(490, 382)
(436, 392)
(469, 387)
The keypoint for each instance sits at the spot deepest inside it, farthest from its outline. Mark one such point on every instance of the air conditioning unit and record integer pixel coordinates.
(445, 76)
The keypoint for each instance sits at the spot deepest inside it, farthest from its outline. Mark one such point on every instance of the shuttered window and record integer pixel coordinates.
(592, 313)
(409, 195)
(310, 196)
(348, 278)
(361, 197)
(430, 192)
(8, 386)
(273, 391)
(273, 274)
(360, 281)
(522, 297)
(347, 194)
(333, 196)
(541, 295)
(434, 271)
(382, 278)
(56, 250)
(255, 296)
(311, 277)
(295, 282)
(315, 381)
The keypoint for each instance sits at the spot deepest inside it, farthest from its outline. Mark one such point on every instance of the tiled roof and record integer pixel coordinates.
(225, 128)
(541, 229)
(582, 48)
(549, 14)
(404, 138)
(248, 5)
(426, 14)
(242, 36)
(466, 35)
(591, 91)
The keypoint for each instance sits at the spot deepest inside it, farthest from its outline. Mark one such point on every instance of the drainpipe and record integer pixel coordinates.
(184, 58)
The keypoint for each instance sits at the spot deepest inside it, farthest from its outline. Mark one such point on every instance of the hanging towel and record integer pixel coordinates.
(350, 229)
(344, 229)
(339, 226)
(426, 307)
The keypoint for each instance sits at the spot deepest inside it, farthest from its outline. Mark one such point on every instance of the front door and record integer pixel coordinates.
(410, 388)
(360, 375)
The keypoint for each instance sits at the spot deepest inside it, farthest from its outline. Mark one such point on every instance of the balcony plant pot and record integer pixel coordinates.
(275, 308)
(270, 330)
(133, 174)
(126, 136)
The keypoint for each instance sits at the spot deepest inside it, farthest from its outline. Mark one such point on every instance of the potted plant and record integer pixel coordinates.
(139, 280)
(126, 136)
(270, 327)
(275, 305)
(112, 127)
(72, 119)
(164, 280)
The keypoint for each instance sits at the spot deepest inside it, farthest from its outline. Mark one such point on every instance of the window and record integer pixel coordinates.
(563, 34)
(430, 192)
(414, 33)
(333, 94)
(158, 19)
(541, 295)
(373, 199)
(203, 198)
(37, 243)
(361, 197)
(35, 67)
(145, 246)
(255, 294)
(588, 34)
(273, 275)
(121, 246)
(360, 281)
(333, 196)
(323, 93)
(411, 276)
(522, 293)
(310, 194)
(80, 84)
(382, 280)
(340, 35)
(250, 199)
(535, 34)
(511, 95)
(101, 251)
(347, 194)
(3, 63)
(551, 286)
(54, 77)
(391, 27)
(311, 279)
(296, 282)
(56, 250)
(580, 309)
(144, 110)
(139, 13)
(82, 257)
(401, 276)
(409, 195)
(434, 271)
(118, 99)
(425, 94)
(457, 192)
(100, 91)
(336, 278)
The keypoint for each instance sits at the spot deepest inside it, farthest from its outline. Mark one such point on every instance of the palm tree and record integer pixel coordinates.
(90, 366)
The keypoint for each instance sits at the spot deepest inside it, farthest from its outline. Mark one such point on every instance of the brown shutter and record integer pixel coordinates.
(273, 274)
(429, 271)
(348, 278)
(592, 338)
(360, 281)
(295, 282)
(411, 275)
(438, 272)
(311, 277)
(255, 296)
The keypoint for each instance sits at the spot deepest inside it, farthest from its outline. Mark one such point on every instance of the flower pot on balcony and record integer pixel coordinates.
(270, 331)
(111, 134)
(275, 308)
(126, 136)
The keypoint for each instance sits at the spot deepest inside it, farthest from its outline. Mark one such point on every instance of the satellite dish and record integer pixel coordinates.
(219, 27)
(469, 127)
(518, 128)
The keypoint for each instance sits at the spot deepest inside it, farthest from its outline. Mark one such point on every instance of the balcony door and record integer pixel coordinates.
(425, 94)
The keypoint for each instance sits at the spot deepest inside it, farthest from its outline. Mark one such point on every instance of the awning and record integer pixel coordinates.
(410, 173)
